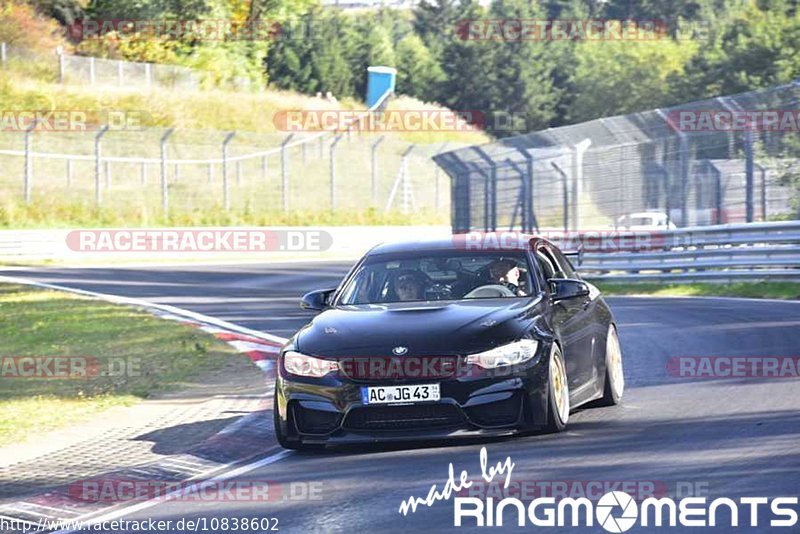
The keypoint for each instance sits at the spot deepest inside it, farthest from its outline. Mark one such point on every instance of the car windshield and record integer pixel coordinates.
(438, 276)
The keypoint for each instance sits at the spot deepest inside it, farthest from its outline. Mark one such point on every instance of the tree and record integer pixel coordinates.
(417, 70)
(618, 77)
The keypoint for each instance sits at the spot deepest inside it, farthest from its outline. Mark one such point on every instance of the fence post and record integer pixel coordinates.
(62, 68)
(69, 172)
(28, 186)
(285, 172)
(577, 180)
(748, 169)
(436, 177)
(98, 165)
(407, 192)
(333, 170)
(164, 184)
(225, 197)
(718, 193)
(92, 73)
(490, 191)
(763, 172)
(148, 74)
(374, 156)
(3, 54)
(120, 66)
(564, 192)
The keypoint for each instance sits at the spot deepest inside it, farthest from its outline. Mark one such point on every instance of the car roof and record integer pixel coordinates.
(454, 242)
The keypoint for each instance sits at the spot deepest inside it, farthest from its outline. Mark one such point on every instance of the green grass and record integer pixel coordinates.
(766, 290)
(55, 212)
(161, 356)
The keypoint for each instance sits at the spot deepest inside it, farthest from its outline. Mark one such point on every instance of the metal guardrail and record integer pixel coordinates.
(760, 251)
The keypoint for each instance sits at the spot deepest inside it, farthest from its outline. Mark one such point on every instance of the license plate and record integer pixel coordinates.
(403, 394)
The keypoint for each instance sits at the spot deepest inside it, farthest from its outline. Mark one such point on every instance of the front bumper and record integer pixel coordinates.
(481, 403)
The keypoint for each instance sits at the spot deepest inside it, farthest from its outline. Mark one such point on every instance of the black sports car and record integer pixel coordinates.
(432, 340)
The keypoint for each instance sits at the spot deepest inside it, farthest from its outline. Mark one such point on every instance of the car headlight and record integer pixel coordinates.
(302, 365)
(511, 354)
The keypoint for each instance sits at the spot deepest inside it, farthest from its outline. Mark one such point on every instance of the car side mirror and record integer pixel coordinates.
(316, 300)
(567, 288)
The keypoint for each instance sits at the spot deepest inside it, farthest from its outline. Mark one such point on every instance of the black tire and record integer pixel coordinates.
(614, 384)
(556, 422)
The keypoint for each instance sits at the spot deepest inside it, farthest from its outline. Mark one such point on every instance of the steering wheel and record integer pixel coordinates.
(489, 291)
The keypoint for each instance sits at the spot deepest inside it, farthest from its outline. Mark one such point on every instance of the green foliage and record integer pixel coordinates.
(709, 48)
(619, 77)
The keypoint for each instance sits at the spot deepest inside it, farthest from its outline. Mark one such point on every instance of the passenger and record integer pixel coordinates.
(506, 273)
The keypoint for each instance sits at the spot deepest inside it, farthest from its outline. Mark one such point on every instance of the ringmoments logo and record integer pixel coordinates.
(615, 511)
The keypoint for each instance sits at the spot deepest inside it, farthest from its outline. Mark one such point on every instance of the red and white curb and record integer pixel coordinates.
(260, 347)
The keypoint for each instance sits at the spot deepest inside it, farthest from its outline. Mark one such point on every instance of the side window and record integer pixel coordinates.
(564, 266)
(549, 268)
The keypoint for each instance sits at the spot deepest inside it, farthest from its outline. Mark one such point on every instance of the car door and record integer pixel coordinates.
(573, 319)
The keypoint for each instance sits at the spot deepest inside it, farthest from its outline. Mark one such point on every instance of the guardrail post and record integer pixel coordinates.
(120, 75)
(148, 74)
(98, 165)
(143, 174)
(28, 185)
(3, 54)
(164, 184)
(374, 160)
(225, 197)
(92, 71)
(285, 172)
(69, 172)
(333, 170)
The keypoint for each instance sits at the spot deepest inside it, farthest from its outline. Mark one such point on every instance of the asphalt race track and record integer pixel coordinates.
(720, 437)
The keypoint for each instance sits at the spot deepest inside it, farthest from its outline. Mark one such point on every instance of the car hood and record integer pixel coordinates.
(429, 328)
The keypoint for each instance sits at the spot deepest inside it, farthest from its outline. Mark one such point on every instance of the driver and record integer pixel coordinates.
(408, 287)
(506, 273)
